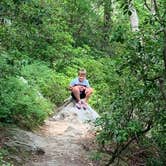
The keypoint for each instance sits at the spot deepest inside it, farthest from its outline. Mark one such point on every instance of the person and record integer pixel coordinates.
(80, 89)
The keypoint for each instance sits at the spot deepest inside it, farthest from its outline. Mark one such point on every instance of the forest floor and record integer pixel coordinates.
(65, 139)
(65, 143)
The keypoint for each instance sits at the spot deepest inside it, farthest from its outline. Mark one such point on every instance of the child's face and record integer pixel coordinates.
(81, 77)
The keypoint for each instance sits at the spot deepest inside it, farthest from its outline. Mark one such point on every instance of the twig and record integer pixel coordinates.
(118, 152)
(145, 2)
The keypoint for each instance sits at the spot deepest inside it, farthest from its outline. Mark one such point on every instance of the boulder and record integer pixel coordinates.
(70, 112)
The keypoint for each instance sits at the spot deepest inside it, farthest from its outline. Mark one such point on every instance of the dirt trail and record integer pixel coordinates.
(63, 143)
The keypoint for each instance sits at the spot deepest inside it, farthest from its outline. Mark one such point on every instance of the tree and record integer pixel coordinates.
(107, 4)
(137, 109)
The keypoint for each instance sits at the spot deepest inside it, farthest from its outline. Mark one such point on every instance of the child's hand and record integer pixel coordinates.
(82, 88)
(86, 90)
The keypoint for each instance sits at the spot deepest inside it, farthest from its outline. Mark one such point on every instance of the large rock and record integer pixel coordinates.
(70, 112)
(21, 145)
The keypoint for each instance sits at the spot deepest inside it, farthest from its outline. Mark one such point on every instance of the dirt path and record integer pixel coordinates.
(62, 142)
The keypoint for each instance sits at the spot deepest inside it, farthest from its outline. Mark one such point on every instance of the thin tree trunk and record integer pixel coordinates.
(134, 20)
(153, 7)
(164, 51)
(107, 26)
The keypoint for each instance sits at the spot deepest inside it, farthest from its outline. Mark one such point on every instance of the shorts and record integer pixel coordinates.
(82, 95)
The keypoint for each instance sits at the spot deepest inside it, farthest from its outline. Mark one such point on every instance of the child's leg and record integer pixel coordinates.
(76, 93)
(88, 92)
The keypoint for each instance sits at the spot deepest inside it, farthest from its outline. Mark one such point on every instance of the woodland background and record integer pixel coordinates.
(122, 45)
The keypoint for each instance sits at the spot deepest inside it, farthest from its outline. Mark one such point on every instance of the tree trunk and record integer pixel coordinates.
(153, 7)
(107, 26)
(134, 19)
(164, 51)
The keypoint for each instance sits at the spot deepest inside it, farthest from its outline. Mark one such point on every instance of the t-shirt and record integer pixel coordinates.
(76, 82)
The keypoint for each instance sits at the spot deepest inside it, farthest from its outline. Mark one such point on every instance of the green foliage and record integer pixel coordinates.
(137, 104)
(134, 107)
(96, 155)
(21, 104)
(36, 28)
(2, 161)
(44, 43)
(11, 62)
(50, 84)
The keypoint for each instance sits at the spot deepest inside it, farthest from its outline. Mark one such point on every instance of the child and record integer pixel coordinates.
(81, 89)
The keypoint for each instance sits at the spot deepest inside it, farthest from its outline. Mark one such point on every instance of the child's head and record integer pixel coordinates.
(81, 74)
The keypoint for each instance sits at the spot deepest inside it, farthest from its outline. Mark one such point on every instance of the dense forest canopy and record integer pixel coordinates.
(122, 45)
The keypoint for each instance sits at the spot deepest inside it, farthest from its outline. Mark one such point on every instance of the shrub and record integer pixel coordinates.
(21, 104)
(52, 85)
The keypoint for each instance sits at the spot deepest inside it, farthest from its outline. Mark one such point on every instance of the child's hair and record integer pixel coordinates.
(82, 71)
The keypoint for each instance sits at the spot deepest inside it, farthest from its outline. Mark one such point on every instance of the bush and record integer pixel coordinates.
(21, 104)
(52, 85)
(2, 160)
(11, 62)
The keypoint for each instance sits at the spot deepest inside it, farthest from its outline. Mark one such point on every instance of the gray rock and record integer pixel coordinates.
(70, 112)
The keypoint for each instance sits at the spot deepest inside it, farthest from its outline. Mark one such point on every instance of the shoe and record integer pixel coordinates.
(84, 105)
(78, 105)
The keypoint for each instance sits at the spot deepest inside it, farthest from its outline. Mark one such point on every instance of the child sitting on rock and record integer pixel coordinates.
(80, 89)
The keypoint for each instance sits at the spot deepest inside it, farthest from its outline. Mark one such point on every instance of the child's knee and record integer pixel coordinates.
(75, 88)
(89, 90)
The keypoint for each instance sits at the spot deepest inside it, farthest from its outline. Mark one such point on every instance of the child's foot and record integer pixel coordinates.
(78, 105)
(84, 105)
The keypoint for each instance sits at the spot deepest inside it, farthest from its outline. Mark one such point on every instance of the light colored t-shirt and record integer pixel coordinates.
(76, 82)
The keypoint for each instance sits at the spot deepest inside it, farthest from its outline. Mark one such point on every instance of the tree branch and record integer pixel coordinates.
(161, 83)
(145, 3)
(154, 78)
(119, 150)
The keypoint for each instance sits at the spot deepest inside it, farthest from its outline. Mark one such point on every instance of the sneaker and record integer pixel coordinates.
(84, 105)
(78, 105)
